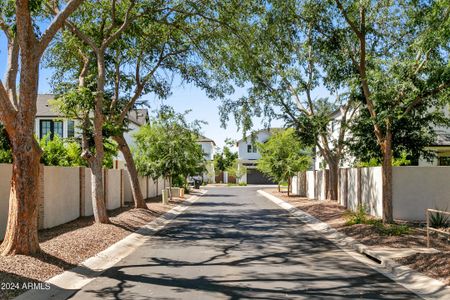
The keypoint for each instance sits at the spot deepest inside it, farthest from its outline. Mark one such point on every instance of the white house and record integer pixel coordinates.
(50, 121)
(441, 146)
(248, 155)
(208, 147)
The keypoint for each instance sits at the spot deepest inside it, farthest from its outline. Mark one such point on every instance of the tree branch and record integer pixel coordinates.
(56, 24)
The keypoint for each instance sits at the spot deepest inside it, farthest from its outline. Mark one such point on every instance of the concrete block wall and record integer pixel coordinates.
(127, 193)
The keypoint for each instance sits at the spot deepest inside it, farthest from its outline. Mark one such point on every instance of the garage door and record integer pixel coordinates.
(256, 177)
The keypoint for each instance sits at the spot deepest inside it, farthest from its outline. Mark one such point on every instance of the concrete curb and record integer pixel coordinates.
(422, 285)
(65, 284)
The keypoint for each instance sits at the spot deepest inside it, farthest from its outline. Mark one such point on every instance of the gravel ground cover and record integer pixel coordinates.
(65, 246)
(436, 265)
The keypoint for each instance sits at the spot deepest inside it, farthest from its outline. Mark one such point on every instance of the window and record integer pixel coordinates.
(51, 127)
(251, 149)
(70, 128)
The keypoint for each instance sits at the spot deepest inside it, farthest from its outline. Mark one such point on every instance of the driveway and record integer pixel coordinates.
(234, 244)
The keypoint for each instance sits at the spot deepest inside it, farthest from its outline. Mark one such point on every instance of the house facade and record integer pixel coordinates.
(441, 146)
(248, 156)
(208, 148)
(49, 121)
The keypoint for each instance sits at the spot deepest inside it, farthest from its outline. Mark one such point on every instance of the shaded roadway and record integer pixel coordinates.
(235, 244)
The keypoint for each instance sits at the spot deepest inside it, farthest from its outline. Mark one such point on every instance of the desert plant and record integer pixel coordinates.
(439, 219)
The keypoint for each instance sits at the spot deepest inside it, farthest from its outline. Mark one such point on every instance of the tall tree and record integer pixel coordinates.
(168, 147)
(400, 52)
(283, 156)
(284, 77)
(19, 22)
(98, 25)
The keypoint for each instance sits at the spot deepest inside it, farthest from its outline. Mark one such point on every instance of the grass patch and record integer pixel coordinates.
(237, 184)
(360, 217)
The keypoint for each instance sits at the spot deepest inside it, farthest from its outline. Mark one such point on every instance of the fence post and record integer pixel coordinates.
(359, 187)
(82, 179)
(41, 207)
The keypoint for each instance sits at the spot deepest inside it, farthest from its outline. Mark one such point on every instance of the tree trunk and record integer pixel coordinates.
(98, 192)
(132, 172)
(279, 188)
(22, 229)
(21, 235)
(333, 181)
(387, 178)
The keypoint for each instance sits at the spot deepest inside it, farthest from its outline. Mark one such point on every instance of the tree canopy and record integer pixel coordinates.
(167, 147)
(283, 156)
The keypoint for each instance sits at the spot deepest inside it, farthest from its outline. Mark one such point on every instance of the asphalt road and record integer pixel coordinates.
(235, 244)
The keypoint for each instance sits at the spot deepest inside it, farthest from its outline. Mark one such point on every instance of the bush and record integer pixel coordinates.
(439, 220)
(360, 217)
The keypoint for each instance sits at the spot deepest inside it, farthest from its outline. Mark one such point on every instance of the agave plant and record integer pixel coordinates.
(439, 220)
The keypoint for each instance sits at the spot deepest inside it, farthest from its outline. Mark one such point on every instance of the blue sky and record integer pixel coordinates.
(184, 97)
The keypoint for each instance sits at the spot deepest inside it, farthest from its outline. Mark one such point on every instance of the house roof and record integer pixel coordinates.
(442, 139)
(270, 130)
(44, 109)
(202, 138)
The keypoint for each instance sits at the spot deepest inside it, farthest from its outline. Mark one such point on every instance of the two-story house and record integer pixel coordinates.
(248, 156)
(441, 146)
(208, 148)
(50, 121)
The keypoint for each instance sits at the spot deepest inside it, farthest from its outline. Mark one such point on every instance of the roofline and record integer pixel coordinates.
(258, 131)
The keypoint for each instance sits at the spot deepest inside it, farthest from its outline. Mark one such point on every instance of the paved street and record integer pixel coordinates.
(235, 244)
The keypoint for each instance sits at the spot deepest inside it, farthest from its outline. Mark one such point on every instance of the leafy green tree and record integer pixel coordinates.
(237, 171)
(395, 79)
(283, 156)
(224, 159)
(167, 147)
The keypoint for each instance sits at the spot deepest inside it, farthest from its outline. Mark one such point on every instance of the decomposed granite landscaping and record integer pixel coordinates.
(65, 246)
(435, 265)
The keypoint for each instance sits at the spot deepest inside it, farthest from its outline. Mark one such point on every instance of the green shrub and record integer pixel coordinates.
(360, 217)
(393, 229)
(356, 217)
(242, 184)
(439, 220)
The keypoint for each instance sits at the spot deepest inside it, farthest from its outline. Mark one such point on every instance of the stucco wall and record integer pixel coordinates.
(352, 189)
(372, 191)
(88, 210)
(310, 185)
(127, 193)
(417, 188)
(152, 188)
(113, 189)
(342, 187)
(5, 186)
(61, 195)
(143, 185)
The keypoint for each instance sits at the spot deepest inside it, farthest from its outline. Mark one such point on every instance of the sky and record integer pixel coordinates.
(184, 97)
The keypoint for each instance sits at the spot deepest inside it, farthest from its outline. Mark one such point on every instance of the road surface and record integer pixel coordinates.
(235, 244)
